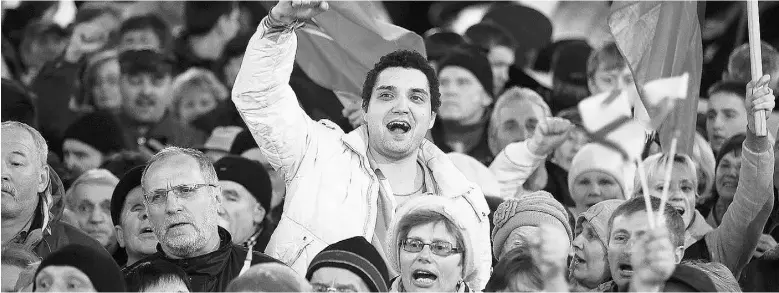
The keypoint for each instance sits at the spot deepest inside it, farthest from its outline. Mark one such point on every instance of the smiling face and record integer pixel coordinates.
(399, 113)
(592, 187)
(726, 117)
(727, 176)
(92, 211)
(682, 193)
(135, 233)
(590, 266)
(427, 272)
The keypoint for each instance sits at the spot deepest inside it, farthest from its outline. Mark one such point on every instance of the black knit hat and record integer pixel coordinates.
(250, 174)
(358, 256)
(129, 181)
(474, 60)
(243, 142)
(99, 267)
(149, 61)
(99, 130)
(569, 62)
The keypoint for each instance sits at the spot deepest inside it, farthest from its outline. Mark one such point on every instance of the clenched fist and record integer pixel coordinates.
(550, 134)
(550, 253)
(653, 259)
(291, 11)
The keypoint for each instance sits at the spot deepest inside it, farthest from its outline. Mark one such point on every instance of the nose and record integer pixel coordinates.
(70, 162)
(147, 87)
(425, 254)
(717, 122)
(97, 216)
(578, 242)
(401, 105)
(172, 203)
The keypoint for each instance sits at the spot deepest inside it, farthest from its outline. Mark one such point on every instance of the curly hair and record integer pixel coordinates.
(403, 59)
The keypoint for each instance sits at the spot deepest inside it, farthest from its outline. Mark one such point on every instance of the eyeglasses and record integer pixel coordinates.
(183, 191)
(326, 288)
(440, 248)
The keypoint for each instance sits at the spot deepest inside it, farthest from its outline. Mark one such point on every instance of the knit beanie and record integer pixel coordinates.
(249, 174)
(99, 130)
(97, 265)
(269, 277)
(477, 173)
(569, 62)
(358, 256)
(598, 216)
(243, 142)
(532, 209)
(473, 60)
(597, 157)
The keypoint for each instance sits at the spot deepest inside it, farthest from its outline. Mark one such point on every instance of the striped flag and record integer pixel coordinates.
(338, 47)
(662, 39)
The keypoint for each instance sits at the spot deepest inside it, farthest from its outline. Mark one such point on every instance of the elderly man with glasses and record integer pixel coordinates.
(182, 198)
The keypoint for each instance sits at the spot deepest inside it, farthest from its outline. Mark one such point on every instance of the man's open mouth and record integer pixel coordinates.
(398, 127)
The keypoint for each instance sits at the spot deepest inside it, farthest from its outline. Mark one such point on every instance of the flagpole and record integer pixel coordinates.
(753, 17)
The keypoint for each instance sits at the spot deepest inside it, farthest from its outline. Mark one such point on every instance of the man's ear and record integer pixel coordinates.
(486, 100)
(119, 235)
(43, 179)
(432, 120)
(259, 214)
(591, 85)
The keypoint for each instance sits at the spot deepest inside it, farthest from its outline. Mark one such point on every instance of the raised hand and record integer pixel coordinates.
(653, 261)
(759, 97)
(550, 134)
(291, 11)
(765, 244)
(86, 38)
(550, 253)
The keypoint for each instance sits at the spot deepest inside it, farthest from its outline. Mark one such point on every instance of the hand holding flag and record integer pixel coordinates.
(291, 11)
(760, 97)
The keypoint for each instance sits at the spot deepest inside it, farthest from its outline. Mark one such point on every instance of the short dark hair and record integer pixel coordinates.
(673, 221)
(608, 55)
(516, 262)
(200, 17)
(151, 22)
(150, 273)
(404, 59)
(121, 162)
(488, 35)
(738, 88)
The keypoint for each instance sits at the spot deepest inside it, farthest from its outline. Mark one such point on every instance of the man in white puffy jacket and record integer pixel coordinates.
(341, 185)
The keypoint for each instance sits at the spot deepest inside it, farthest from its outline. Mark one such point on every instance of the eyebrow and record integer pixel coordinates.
(419, 90)
(386, 87)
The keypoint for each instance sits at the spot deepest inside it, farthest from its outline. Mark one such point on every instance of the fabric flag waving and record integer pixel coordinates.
(338, 47)
(608, 121)
(662, 39)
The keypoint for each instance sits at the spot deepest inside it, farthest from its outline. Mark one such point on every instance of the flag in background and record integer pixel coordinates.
(663, 39)
(338, 48)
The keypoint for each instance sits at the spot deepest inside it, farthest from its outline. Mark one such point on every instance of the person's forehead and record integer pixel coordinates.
(174, 170)
(94, 192)
(634, 222)
(334, 275)
(611, 67)
(722, 100)
(63, 271)
(595, 174)
(520, 109)
(74, 145)
(228, 185)
(134, 197)
(453, 71)
(18, 141)
(402, 79)
(431, 231)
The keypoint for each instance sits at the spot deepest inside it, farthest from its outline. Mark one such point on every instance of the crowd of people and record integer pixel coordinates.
(138, 158)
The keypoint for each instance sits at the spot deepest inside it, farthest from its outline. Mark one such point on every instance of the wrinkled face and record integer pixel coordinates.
(92, 211)
(276, 178)
(564, 154)
(143, 38)
(517, 121)
(231, 70)
(606, 80)
(145, 96)
(80, 157)
(183, 225)
(342, 280)
(10, 277)
(177, 286)
(727, 176)
(62, 279)
(23, 175)
(625, 230)
(105, 91)
(592, 187)
(463, 99)
(521, 236)
(726, 117)
(135, 233)
(426, 272)
(194, 103)
(240, 212)
(501, 59)
(399, 113)
(682, 194)
(590, 265)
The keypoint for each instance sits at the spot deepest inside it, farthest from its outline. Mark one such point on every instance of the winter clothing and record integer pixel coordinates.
(18, 103)
(358, 256)
(569, 62)
(128, 182)
(476, 132)
(459, 211)
(598, 216)
(531, 209)
(242, 143)
(527, 25)
(167, 131)
(99, 130)
(597, 157)
(211, 272)
(476, 172)
(397, 286)
(222, 138)
(475, 62)
(325, 169)
(97, 265)
(249, 174)
(269, 277)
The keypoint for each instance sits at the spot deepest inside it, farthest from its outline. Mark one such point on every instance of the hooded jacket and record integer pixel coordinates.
(48, 233)
(333, 193)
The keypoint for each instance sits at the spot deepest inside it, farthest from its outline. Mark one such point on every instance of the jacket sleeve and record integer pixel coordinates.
(266, 102)
(734, 241)
(513, 166)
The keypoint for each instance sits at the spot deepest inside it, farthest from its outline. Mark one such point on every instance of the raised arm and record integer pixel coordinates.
(262, 93)
(515, 163)
(734, 241)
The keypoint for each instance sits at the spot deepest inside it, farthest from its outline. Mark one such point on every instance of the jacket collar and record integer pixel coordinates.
(211, 264)
(697, 229)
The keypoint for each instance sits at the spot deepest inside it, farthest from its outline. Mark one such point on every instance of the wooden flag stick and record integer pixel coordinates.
(645, 193)
(755, 57)
(668, 168)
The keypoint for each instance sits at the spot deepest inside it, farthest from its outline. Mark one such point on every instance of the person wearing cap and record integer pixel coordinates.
(246, 196)
(182, 197)
(145, 84)
(598, 173)
(78, 268)
(349, 265)
(500, 46)
(131, 222)
(245, 146)
(90, 140)
(32, 195)
(590, 266)
(518, 220)
(466, 93)
(351, 181)
(89, 201)
(439, 43)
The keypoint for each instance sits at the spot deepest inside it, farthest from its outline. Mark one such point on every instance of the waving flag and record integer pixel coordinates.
(338, 47)
(607, 119)
(659, 40)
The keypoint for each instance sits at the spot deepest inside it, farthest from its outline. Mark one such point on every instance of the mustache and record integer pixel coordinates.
(8, 187)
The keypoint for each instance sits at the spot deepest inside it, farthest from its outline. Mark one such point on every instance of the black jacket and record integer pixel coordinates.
(214, 271)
